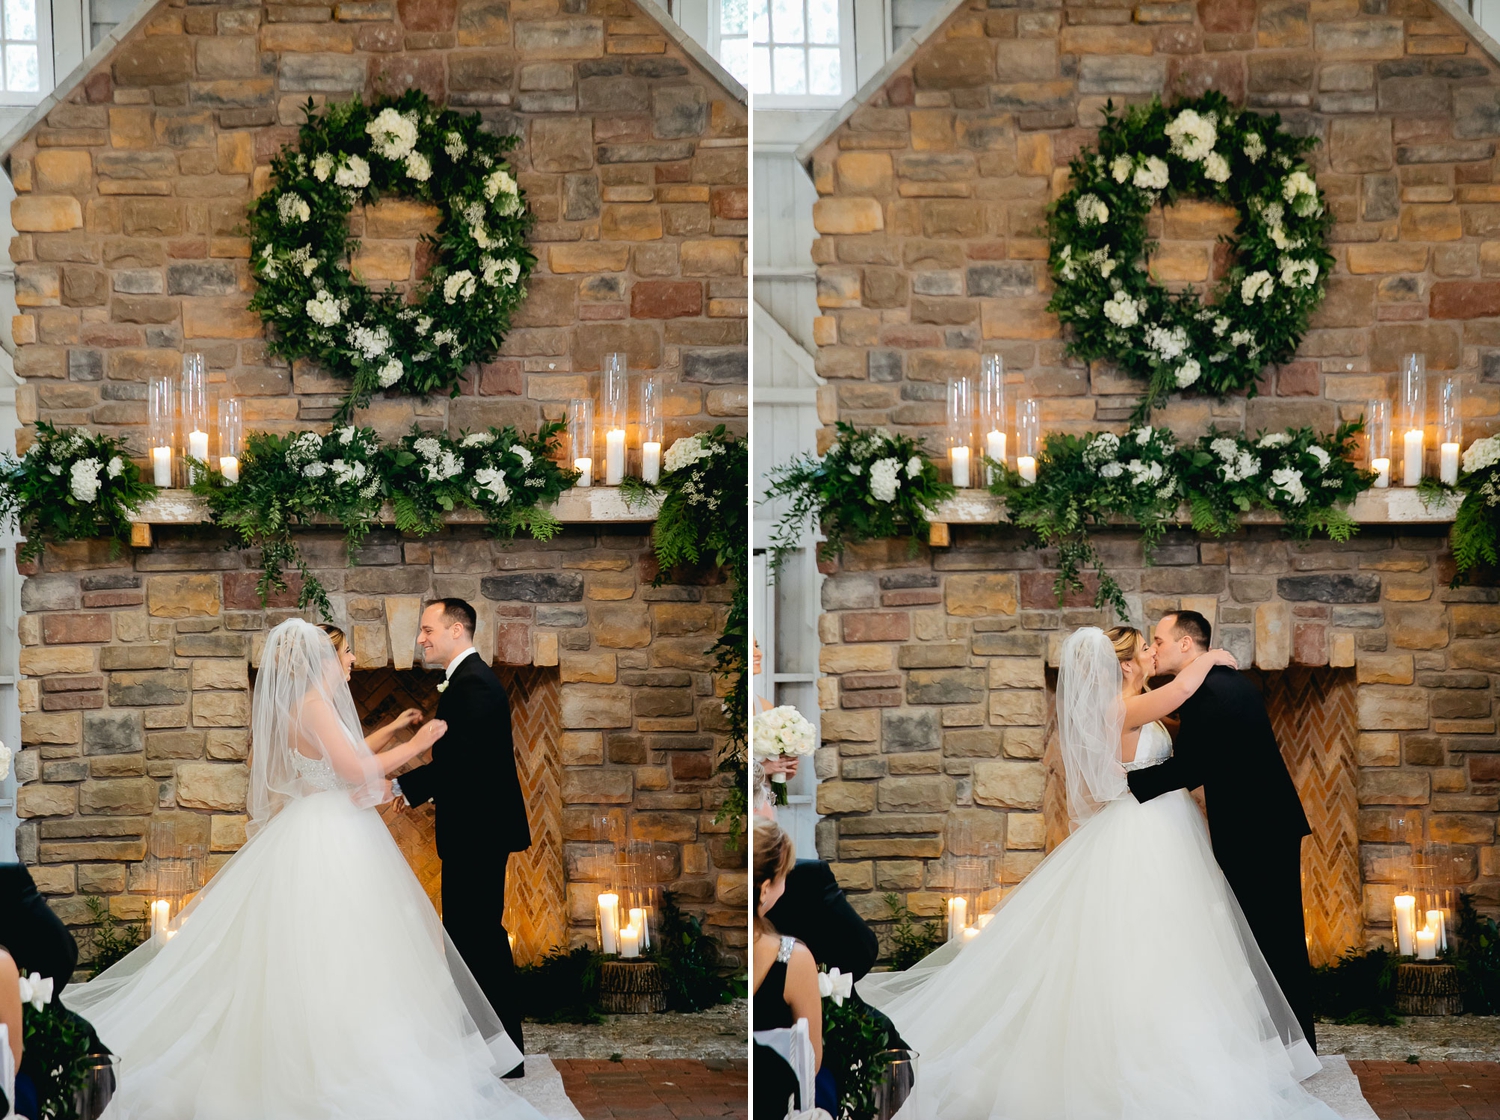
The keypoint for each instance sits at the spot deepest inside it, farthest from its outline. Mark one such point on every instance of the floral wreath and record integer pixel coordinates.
(354, 154)
(1200, 148)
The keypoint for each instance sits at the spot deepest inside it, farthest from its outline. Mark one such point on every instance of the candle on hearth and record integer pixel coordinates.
(651, 462)
(609, 924)
(1406, 924)
(614, 456)
(960, 457)
(1435, 923)
(630, 942)
(1411, 464)
(958, 912)
(1382, 469)
(638, 920)
(161, 466)
(585, 468)
(1448, 467)
(1426, 944)
(161, 911)
(1026, 464)
(994, 446)
(229, 467)
(198, 445)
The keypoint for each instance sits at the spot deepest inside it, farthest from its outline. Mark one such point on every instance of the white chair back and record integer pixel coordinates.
(795, 1045)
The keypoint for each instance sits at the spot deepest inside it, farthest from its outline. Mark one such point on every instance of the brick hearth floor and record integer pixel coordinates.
(1429, 1090)
(657, 1089)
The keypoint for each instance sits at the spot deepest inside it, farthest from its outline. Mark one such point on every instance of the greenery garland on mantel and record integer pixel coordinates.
(1084, 483)
(1203, 148)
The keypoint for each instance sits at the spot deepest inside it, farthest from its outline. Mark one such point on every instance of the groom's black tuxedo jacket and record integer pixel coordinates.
(1226, 746)
(31, 932)
(472, 776)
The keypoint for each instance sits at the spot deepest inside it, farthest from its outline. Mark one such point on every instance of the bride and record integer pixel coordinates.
(311, 977)
(1119, 981)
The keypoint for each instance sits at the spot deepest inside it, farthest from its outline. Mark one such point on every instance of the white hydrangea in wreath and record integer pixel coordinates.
(1201, 148)
(352, 154)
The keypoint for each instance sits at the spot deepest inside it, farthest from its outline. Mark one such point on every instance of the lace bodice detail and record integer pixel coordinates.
(318, 772)
(1154, 746)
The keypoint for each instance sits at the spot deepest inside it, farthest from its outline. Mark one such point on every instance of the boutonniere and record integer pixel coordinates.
(443, 686)
(36, 990)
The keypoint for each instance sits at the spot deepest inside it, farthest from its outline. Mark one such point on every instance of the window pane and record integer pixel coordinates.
(20, 19)
(823, 71)
(21, 70)
(760, 22)
(791, 70)
(786, 22)
(760, 73)
(822, 21)
(735, 57)
(732, 17)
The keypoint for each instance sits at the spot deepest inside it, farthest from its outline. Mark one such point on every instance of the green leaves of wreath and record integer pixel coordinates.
(1200, 148)
(354, 154)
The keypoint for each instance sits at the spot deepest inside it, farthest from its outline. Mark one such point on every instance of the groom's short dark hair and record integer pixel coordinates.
(1191, 624)
(456, 610)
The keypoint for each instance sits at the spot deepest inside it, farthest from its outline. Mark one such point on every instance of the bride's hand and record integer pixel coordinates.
(409, 718)
(1223, 657)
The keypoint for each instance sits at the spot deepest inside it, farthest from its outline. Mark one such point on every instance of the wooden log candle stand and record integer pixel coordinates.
(632, 987)
(1428, 988)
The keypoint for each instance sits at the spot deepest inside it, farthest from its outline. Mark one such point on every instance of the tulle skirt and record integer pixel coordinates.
(1119, 981)
(310, 979)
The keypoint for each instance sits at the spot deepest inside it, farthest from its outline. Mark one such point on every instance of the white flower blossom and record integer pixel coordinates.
(323, 309)
(1143, 434)
(84, 480)
(454, 145)
(1241, 338)
(322, 166)
(1193, 137)
(1275, 439)
(1101, 449)
(1111, 470)
(1254, 147)
(488, 478)
(417, 167)
(444, 338)
(390, 373)
(1188, 372)
(441, 467)
(1091, 210)
(427, 447)
(315, 470)
(394, 134)
(1320, 455)
(913, 466)
(1299, 274)
(1256, 285)
(1152, 176)
(1121, 168)
(1296, 186)
(1289, 481)
(1216, 168)
(355, 174)
(524, 455)
(1482, 453)
(684, 453)
(369, 344)
(1167, 344)
(346, 434)
(116, 466)
(305, 447)
(1121, 310)
(461, 282)
(885, 479)
(477, 439)
(293, 208)
(498, 183)
(1221, 324)
(424, 324)
(1225, 448)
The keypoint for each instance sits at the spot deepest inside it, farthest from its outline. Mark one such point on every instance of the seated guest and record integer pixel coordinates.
(785, 977)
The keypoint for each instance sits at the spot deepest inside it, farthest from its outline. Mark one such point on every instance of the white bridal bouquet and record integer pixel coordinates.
(780, 732)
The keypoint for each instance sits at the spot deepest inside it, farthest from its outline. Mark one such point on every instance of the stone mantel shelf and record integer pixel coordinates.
(580, 505)
(1395, 506)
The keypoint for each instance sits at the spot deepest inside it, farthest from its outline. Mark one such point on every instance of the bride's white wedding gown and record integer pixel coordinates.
(310, 980)
(1119, 981)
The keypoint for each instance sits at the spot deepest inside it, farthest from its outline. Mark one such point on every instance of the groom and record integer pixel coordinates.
(481, 811)
(1226, 746)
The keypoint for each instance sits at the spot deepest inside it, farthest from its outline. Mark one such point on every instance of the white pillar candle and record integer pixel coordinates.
(651, 462)
(1435, 923)
(1426, 944)
(1448, 468)
(585, 469)
(638, 919)
(1382, 469)
(229, 467)
(1411, 465)
(994, 447)
(198, 445)
(161, 911)
(1026, 464)
(1406, 924)
(609, 924)
(161, 466)
(614, 456)
(630, 942)
(960, 458)
(958, 912)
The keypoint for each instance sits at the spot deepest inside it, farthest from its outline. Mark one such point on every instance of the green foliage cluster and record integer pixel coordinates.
(1259, 309)
(1360, 987)
(57, 1042)
(1085, 482)
(912, 941)
(871, 484)
(70, 485)
(704, 519)
(303, 478)
(350, 155)
(856, 1044)
(109, 939)
(1475, 536)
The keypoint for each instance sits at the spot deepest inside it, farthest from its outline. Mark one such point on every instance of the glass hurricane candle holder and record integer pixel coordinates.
(652, 395)
(1028, 437)
(581, 439)
(161, 426)
(1411, 419)
(1378, 436)
(1450, 427)
(614, 414)
(195, 421)
(992, 417)
(961, 414)
(231, 437)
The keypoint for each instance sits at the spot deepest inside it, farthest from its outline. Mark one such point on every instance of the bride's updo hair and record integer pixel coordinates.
(1127, 641)
(339, 639)
(773, 856)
